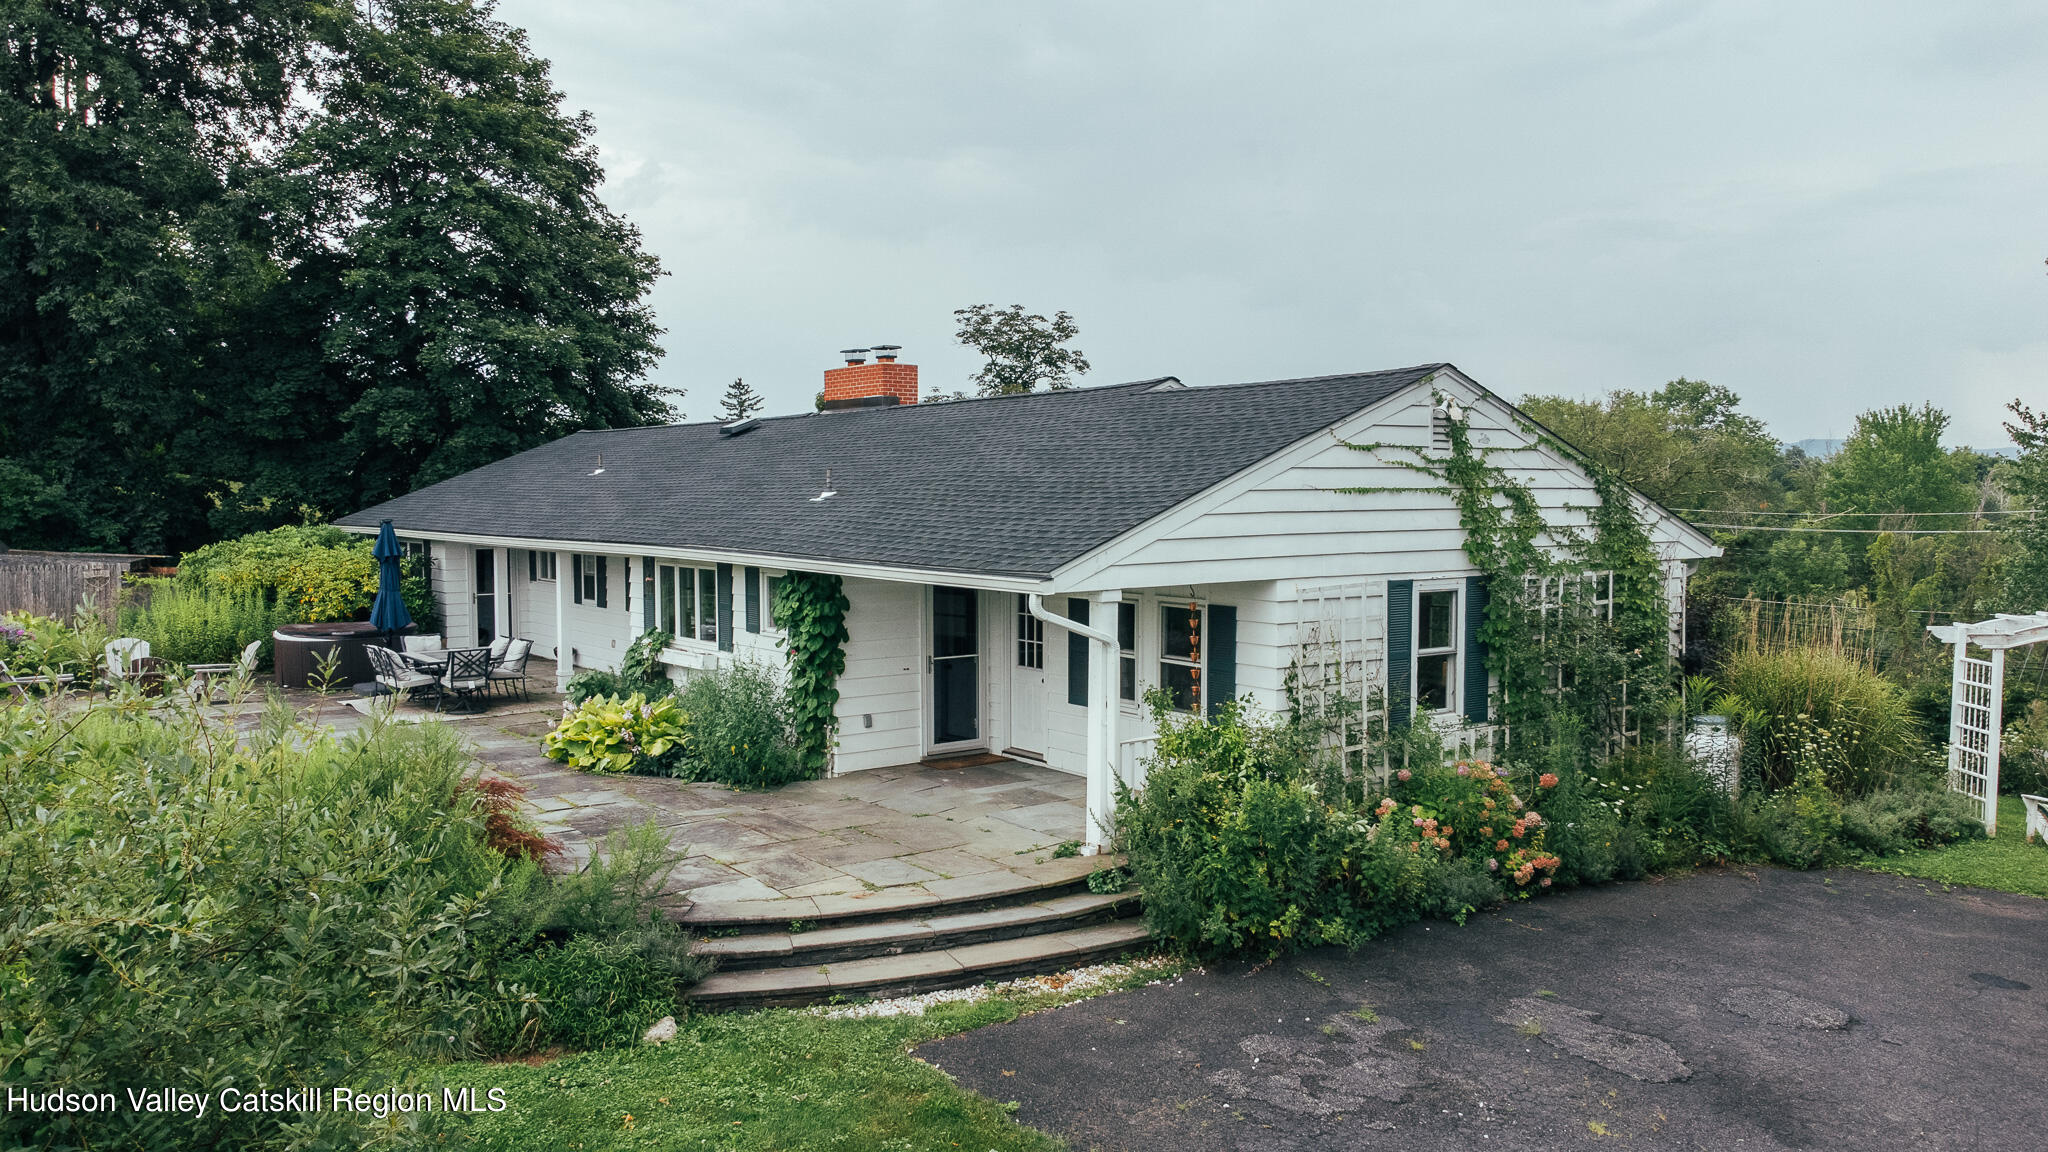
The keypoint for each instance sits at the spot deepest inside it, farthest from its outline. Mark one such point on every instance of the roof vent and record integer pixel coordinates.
(739, 426)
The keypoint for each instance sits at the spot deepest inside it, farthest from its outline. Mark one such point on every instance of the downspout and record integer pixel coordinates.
(564, 655)
(1102, 713)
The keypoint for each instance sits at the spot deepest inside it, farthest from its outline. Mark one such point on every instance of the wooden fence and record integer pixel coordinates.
(57, 583)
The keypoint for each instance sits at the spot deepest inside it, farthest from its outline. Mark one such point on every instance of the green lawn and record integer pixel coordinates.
(770, 1080)
(2007, 863)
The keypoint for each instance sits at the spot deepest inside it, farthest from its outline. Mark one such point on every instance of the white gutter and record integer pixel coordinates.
(855, 569)
(1102, 711)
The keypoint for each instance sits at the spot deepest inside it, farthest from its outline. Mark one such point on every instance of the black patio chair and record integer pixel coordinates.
(468, 675)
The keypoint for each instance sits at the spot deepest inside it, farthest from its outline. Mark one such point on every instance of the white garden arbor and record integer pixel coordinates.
(1977, 702)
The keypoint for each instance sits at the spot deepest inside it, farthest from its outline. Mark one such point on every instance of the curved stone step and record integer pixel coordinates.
(912, 972)
(866, 938)
(1023, 884)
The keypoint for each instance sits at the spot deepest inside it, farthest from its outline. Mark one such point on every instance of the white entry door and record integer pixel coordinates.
(1027, 682)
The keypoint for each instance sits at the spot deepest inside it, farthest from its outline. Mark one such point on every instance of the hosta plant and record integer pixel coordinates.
(619, 734)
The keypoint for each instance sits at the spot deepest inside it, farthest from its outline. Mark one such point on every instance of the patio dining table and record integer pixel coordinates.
(433, 660)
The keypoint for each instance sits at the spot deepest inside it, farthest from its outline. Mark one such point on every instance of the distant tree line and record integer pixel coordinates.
(263, 263)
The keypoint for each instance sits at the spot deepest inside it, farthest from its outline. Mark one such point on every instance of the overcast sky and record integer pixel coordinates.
(1825, 207)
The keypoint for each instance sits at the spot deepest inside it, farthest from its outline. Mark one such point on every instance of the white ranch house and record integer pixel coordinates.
(1020, 569)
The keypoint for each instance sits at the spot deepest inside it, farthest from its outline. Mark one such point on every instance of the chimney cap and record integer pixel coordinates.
(854, 355)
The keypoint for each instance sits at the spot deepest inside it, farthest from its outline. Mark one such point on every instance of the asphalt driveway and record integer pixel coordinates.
(1724, 1010)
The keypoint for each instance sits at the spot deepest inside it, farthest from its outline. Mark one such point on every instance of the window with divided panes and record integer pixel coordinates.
(688, 601)
(1180, 655)
(1030, 635)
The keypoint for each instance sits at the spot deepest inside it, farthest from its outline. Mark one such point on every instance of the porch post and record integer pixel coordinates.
(562, 650)
(1102, 717)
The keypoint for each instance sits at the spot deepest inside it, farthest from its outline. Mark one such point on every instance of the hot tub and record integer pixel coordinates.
(300, 648)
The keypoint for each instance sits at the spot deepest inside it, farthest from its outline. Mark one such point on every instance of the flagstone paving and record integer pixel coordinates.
(887, 837)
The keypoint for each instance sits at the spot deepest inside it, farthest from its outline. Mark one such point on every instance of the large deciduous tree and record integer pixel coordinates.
(1686, 445)
(269, 261)
(124, 128)
(1022, 350)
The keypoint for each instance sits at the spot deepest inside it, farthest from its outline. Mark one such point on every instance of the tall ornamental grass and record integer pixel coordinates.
(191, 623)
(1799, 706)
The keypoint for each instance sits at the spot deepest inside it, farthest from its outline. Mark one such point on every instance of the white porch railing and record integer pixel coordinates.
(1130, 759)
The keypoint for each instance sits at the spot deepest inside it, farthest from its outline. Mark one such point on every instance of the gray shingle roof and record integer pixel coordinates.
(1013, 486)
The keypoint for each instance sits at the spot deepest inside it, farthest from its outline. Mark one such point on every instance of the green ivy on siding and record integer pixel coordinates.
(811, 610)
(1507, 538)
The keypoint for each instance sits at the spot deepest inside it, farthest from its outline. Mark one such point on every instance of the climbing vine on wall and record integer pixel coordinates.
(811, 611)
(1562, 667)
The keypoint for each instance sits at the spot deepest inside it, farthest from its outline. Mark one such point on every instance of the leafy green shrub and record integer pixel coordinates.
(1236, 854)
(186, 904)
(588, 992)
(594, 682)
(614, 734)
(312, 573)
(2023, 751)
(1788, 699)
(200, 624)
(1899, 819)
(640, 671)
(740, 728)
(32, 644)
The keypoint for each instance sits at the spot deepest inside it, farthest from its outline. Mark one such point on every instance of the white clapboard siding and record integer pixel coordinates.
(881, 699)
(453, 568)
(533, 606)
(1291, 518)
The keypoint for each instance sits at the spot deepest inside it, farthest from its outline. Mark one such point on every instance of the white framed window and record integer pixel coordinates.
(688, 601)
(1127, 652)
(1180, 654)
(1439, 630)
(1030, 636)
(419, 548)
(590, 578)
(540, 567)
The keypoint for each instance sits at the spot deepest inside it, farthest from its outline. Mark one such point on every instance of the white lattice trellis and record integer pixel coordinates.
(1977, 702)
(1340, 652)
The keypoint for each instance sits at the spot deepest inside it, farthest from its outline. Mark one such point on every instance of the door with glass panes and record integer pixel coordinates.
(1027, 682)
(956, 667)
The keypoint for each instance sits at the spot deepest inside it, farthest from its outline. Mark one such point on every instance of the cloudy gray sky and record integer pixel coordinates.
(1826, 207)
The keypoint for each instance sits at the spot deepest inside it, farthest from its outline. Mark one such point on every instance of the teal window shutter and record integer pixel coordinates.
(603, 582)
(532, 565)
(647, 594)
(1077, 654)
(1221, 658)
(576, 576)
(1475, 649)
(1400, 648)
(725, 607)
(753, 599)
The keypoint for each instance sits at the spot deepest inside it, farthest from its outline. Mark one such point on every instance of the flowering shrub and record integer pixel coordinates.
(1470, 810)
(32, 644)
(615, 734)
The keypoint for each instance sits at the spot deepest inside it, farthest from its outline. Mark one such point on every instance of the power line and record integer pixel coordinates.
(1860, 531)
(1831, 515)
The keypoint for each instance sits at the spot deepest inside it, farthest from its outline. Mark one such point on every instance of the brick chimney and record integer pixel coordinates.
(862, 385)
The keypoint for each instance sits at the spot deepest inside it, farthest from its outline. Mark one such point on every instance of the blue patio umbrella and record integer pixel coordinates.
(388, 614)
